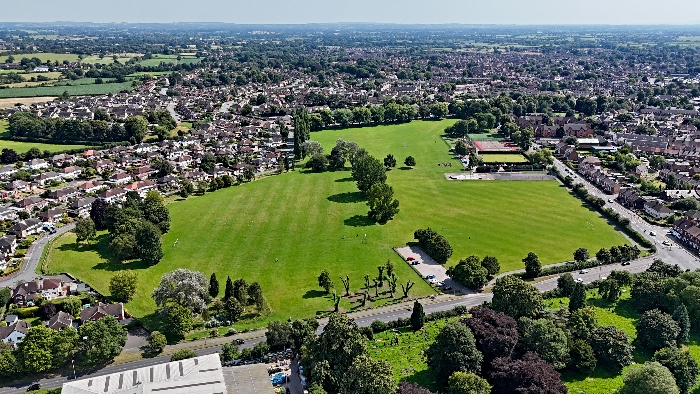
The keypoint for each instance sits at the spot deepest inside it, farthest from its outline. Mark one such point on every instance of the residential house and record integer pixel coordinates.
(96, 312)
(8, 245)
(60, 321)
(30, 203)
(63, 194)
(113, 195)
(90, 186)
(14, 333)
(47, 177)
(657, 210)
(628, 197)
(71, 172)
(7, 171)
(120, 178)
(8, 214)
(61, 158)
(641, 170)
(81, 207)
(26, 227)
(48, 289)
(37, 164)
(144, 172)
(53, 215)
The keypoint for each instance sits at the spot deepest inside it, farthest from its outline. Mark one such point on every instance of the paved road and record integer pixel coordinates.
(225, 106)
(676, 253)
(28, 270)
(171, 108)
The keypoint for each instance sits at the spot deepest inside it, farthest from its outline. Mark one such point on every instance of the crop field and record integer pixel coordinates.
(73, 90)
(44, 57)
(282, 231)
(157, 59)
(503, 158)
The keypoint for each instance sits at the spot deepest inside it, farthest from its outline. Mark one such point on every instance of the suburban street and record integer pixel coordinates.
(27, 272)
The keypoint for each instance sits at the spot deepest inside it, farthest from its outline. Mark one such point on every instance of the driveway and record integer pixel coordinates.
(428, 266)
(27, 272)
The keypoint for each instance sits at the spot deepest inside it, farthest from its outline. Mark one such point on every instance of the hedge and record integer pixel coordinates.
(25, 313)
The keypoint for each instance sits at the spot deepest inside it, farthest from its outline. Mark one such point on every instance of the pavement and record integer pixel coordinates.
(427, 266)
(27, 271)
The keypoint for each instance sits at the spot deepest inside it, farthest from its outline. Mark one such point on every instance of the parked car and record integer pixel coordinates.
(652, 233)
(35, 386)
(583, 272)
(666, 243)
(430, 276)
(239, 341)
(626, 263)
(578, 280)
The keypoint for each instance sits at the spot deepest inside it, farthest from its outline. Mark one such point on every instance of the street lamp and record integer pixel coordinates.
(72, 362)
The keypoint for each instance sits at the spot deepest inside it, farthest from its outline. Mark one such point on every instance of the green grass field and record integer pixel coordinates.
(75, 90)
(407, 359)
(503, 158)
(312, 222)
(157, 59)
(22, 147)
(44, 57)
(486, 137)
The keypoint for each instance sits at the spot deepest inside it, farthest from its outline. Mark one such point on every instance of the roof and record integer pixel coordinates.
(61, 317)
(20, 326)
(116, 310)
(200, 375)
(248, 379)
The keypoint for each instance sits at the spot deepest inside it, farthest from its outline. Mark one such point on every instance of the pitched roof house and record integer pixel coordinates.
(101, 310)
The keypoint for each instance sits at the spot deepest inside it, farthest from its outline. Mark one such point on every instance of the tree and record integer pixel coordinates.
(183, 354)
(650, 378)
(529, 374)
(382, 205)
(547, 340)
(47, 310)
(154, 210)
(581, 255)
(577, 300)
(9, 156)
(229, 351)
(410, 161)
(491, 264)
(34, 352)
(325, 281)
(516, 298)
(664, 269)
(389, 161)
(367, 171)
(467, 383)
(255, 296)
(533, 266)
(470, 273)
(178, 321)
(182, 287)
(582, 322)
(213, 286)
(565, 284)
(461, 148)
(102, 340)
(122, 247)
(278, 335)
(656, 330)
(98, 213)
(136, 127)
(496, 333)
(611, 347)
(454, 350)
(368, 376)
(434, 244)
(680, 315)
(317, 163)
(84, 230)
(148, 243)
(417, 316)
(72, 305)
(122, 285)
(439, 110)
(240, 291)
(329, 357)
(682, 366)
(582, 357)
(233, 309)
(228, 292)
(603, 256)
(157, 342)
(9, 365)
(303, 331)
(609, 289)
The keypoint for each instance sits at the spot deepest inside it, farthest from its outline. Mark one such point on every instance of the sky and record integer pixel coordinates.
(522, 12)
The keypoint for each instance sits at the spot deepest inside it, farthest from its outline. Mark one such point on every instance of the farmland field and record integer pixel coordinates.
(312, 222)
(44, 57)
(157, 59)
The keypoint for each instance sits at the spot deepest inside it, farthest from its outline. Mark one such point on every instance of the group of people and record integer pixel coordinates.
(445, 164)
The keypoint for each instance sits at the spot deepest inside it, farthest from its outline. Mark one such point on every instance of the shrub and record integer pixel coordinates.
(183, 354)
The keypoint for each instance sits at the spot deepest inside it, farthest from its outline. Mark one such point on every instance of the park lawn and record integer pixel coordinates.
(406, 359)
(505, 219)
(503, 158)
(21, 146)
(73, 90)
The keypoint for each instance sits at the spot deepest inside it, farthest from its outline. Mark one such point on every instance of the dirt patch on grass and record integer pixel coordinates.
(11, 102)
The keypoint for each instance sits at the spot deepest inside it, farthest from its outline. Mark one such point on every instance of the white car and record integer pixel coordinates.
(578, 280)
(652, 233)
(583, 272)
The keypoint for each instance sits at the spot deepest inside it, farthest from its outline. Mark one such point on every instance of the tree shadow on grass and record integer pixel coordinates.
(100, 245)
(347, 198)
(117, 266)
(346, 179)
(405, 168)
(313, 294)
(422, 378)
(358, 221)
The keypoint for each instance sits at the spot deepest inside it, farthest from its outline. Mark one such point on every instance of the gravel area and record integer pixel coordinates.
(427, 266)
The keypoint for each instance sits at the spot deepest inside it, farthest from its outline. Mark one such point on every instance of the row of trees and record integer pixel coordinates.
(474, 273)
(434, 244)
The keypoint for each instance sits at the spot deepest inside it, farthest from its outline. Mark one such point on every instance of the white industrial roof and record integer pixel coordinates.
(200, 375)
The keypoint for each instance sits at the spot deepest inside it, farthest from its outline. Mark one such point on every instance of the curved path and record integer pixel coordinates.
(27, 272)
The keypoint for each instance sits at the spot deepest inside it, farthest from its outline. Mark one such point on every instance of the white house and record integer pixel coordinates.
(13, 334)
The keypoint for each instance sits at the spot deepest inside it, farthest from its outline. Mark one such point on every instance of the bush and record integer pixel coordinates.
(183, 354)
(379, 326)
(231, 331)
(434, 244)
(25, 313)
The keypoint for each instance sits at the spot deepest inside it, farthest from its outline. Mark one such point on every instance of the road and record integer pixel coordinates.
(675, 253)
(27, 272)
(171, 108)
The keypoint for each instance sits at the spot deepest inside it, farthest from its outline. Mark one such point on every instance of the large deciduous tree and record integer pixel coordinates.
(382, 205)
(102, 340)
(368, 171)
(548, 341)
(470, 273)
(182, 287)
(84, 230)
(611, 347)
(467, 383)
(495, 332)
(650, 378)
(682, 365)
(148, 243)
(533, 266)
(656, 330)
(122, 285)
(516, 298)
(530, 374)
(454, 350)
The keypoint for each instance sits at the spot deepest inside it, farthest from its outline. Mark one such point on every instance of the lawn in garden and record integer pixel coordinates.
(282, 231)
